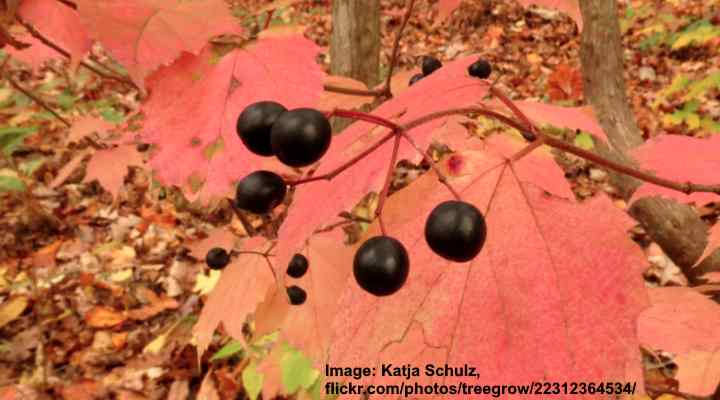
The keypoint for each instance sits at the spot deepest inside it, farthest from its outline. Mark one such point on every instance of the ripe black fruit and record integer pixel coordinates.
(381, 265)
(217, 258)
(296, 294)
(254, 124)
(430, 64)
(455, 230)
(300, 137)
(480, 69)
(297, 266)
(260, 192)
(415, 78)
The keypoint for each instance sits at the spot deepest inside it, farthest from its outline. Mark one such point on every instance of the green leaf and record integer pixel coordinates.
(109, 114)
(584, 141)
(699, 33)
(11, 137)
(696, 89)
(10, 183)
(252, 381)
(232, 348)
(297, 371)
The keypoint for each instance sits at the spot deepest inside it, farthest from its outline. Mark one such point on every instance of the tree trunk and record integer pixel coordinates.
(677, 228)
(355, 40)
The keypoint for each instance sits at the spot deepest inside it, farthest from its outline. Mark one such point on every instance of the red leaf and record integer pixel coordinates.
(109, 166)
(306, 326)
(569, 7)
(58, 22)
(668, 156)
(446, 7)
(196, 102)
(35, 55)
(550, 287)
(244, 283)
(565, 83)
(685, 323)
(146, 34)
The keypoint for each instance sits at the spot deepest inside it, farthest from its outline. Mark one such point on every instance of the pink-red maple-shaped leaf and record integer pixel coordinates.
(321, 201)
(550, 287)
(146, 34)
(681, 159)
(243, 285)
(193, 109)
(569, 7)
(58, 22)
(34, 55)
(684, 322)
(306, 326)
(109, 166)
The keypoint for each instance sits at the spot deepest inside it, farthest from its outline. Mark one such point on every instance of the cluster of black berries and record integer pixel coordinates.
(479, 69)
(455, 230)
(297, 267)
(296, 137)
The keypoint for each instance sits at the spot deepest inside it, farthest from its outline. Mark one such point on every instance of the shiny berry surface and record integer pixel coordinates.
(381, 265)
(254, 125)
(456, 231)
(260, 192)
(300, 137)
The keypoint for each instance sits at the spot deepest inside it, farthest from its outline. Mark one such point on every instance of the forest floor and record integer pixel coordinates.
(99, 292)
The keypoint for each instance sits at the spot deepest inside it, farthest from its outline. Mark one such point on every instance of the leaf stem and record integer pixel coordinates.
(388, 181)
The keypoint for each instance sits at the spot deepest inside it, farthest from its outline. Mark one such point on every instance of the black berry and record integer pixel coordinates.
(254, 124)
(300, 137)
(381, 265)
(260, 192)
(297, 266)
(480, 69)
(430, 64)
(217, 258)
(296, 294)
(415, 78)
(455, 230)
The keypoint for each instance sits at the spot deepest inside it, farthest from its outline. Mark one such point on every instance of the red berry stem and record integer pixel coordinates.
(388, 181)
(361, 116)
(332, 174)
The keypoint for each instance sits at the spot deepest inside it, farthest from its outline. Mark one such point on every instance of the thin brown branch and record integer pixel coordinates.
(49, 43)
(687, 187)
(396, 47)
(353, 92)
(35, 98)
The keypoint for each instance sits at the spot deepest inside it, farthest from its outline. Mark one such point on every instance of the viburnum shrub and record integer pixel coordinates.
(486, 260)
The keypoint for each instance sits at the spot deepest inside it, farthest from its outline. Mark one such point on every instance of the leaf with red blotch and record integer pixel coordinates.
(58, 22)
(685, 323)
(550, 287)
(146, 34)
(243, 285)
(569, 7)
(196, 102)
(306, 326)
(319, 202)
(446, 7)
(669, 157)
(565, 83)
(109, 166)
